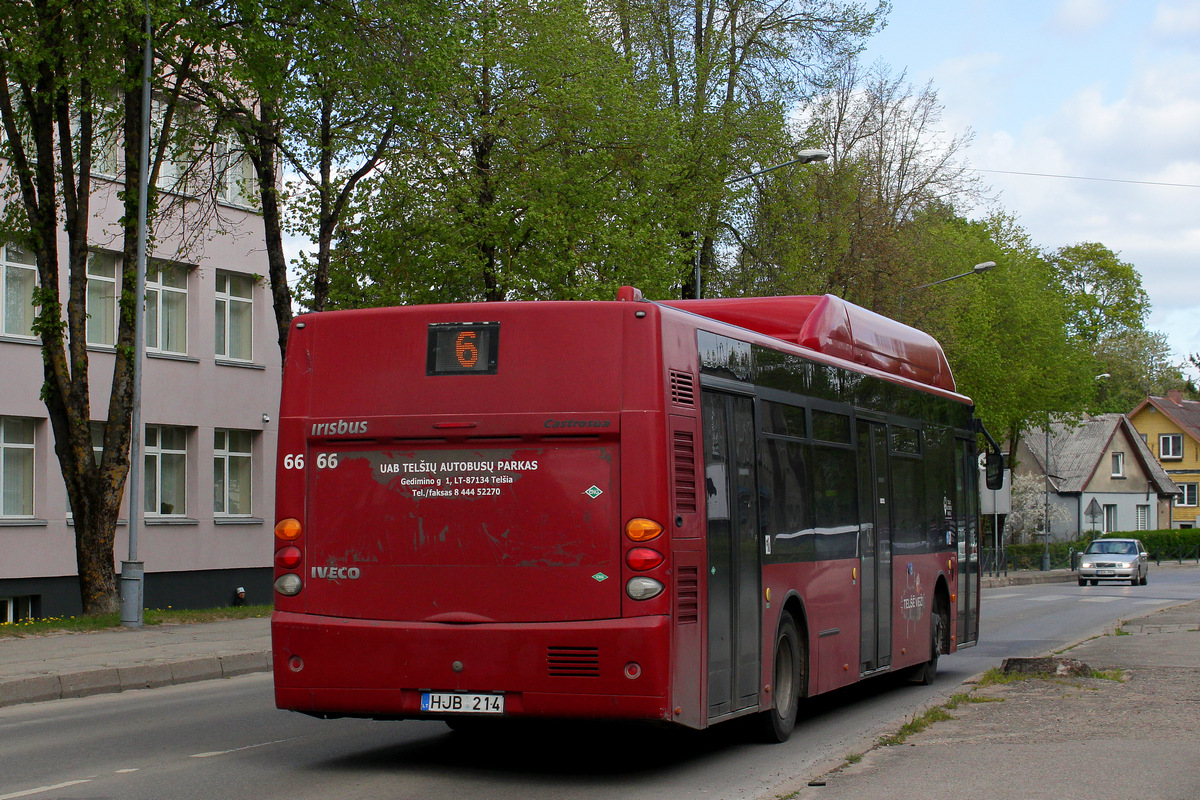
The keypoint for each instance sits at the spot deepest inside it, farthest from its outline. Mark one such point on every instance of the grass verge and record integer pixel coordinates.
(151, 617)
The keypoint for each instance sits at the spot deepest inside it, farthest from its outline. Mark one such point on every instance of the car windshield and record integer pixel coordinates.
(1112, 548)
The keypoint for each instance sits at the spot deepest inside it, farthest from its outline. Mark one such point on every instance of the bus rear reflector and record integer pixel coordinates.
(643, 588)
(288, 530)
(643, 530)
(643, 558)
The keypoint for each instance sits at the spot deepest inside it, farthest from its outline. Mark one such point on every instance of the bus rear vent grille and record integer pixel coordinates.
(683, 389)
(573, 662)
(684, 446)
(687, 595)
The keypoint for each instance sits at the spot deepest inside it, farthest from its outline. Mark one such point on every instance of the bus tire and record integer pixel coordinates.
(926, 673)
(789, 683)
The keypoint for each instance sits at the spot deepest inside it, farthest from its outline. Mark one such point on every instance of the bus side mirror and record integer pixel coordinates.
(994, 470)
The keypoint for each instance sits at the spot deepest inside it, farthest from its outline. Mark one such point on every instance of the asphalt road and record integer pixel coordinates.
(224, 739)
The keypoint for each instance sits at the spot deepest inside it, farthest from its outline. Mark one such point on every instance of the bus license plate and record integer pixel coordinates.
(459, 703)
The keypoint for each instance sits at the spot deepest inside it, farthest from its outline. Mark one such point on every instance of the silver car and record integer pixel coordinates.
(1114, 560)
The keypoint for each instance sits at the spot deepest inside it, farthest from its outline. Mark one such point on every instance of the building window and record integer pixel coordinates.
(102, 299)
(1143, 518)
(1110, 519)
(18, 276)
(1118, 465)
(1187, 494)
(166, 308)
(166, 470)
(1170, 446)
(235, 175)
(235, 316)
(16, 467)
(232, 463)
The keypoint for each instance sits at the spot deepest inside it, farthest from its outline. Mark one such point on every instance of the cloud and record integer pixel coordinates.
(1176, 21)
(1076, 17)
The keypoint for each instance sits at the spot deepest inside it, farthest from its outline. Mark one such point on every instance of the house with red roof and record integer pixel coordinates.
(1170, 427)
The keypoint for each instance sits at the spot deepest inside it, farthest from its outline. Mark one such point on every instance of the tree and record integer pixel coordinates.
(70, 75)
(856, 228)
(317, 91)
(1134, 364)
(1028, 515)
(537, 174)
(1104, 294)
(730, 71)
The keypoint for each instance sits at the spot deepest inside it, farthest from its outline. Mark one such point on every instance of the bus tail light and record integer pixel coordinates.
(288, 557)
(643, 530)
(643, 588)
(288, 530)
(289, 585)
(643, 558)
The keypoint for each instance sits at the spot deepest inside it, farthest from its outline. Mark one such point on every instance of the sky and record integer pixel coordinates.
(1105, 91)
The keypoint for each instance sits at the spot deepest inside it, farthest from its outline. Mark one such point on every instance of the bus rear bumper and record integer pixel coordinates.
(608, 669)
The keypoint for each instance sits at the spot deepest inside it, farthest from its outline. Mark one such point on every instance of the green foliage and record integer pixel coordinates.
(1166, 545)
(1029, 556)
(151, 617)
(539, 177)
(1172, 543)
(915, 725)
(1104, 294)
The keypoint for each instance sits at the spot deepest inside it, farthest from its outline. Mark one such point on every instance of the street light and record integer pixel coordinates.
(978, 269)
(803, 157)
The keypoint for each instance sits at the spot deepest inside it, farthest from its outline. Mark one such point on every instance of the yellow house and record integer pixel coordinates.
(1171, 427)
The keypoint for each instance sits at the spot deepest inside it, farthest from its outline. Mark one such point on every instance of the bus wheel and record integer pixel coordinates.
(789, 683)
(925, 674)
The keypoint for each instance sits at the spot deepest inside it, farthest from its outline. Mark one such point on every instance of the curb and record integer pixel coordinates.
(108, 680)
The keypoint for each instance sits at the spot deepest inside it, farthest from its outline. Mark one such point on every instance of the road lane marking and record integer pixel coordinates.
(1003, 596)
(42, 789)
(1098, 599)
(1048, 598)
(236, 749)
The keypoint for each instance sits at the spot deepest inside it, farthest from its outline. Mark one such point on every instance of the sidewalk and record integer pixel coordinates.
(1057, 739)
(54, 666)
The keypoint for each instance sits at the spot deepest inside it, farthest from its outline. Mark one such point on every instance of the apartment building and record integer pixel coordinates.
(209, 402)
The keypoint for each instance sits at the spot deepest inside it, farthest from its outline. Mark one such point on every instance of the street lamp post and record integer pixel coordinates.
(803, 157)
(978, 269)
(1046, 529)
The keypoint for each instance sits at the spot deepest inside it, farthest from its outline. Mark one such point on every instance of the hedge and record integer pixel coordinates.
(1181, 543)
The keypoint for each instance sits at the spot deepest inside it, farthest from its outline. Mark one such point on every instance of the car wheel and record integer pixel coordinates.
(1094, 582)
(1082, 582)
(1145, 579)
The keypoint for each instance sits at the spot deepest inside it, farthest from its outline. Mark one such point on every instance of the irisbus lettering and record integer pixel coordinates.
(338, 428)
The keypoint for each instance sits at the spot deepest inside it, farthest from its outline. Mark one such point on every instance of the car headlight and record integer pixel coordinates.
(1086, 563)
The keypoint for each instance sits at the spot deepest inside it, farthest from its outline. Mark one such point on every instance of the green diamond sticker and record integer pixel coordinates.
(600, 577)
(594, 492)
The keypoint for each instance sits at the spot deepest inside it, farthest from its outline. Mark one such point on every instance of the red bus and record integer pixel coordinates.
(680, 511)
